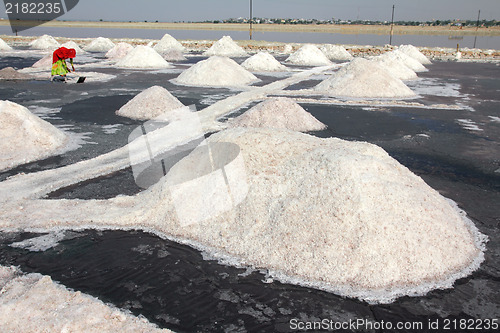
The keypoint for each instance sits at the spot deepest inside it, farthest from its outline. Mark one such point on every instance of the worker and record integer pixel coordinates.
(59, 66)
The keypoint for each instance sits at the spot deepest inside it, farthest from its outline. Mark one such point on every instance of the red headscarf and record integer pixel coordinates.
(63, 53)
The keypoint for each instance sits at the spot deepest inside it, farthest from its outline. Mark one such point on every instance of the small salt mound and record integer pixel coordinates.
(149, 104)
(287, 49)
(168, 43)
(364, 78)
(413, 52)
(119, 51)
(216, 71)
(278, 112)
(225, 47)
(263, 62)
(44, 42)
(335, 52)
(100, 44)
(173, 55)
(395, 66)
(45, 62)
(4, 46)
(143, 57)
(410, 62)
(9, 73)
(24, 137)
(308, 55)
(73, 45)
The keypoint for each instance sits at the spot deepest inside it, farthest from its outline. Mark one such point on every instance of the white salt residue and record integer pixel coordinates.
(111, 129)
(73, 45)
(469, 125)
(45, 42)
(278, 112)
(99, 44)
(4, 46)
(364, 78)
(413, 52)
(435, 87)
(143, 57)
(149, 104)
(494, 119)
(410, 62)
(168, 43)
(216, 71)
(40, 243)
(119, 51)
(335, 52)
(395, 66)
(90, 77)
(308, 55)
(45, 62)
(34, 303)
(44, 112)
(263, 62)
(225, 47)
(173, 55)
(25, 137)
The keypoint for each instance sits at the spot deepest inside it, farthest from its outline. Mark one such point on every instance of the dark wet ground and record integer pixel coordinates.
(172, 285)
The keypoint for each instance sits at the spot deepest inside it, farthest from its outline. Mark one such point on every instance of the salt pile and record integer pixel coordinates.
(394, 65)
(143, 57)
(45, 62)
(225, 47)
(278, 112)
(100, 44)
(73, 45)
(364, 78)
(9, 73)
(308, 55)
(34, 303)
(409, 62)
(337, 215)
(44, 42)
(335, 52)
(168, 43)
(149, 104)
(216, 71)
(25, 137)
(413, 52)
(287, 49)
(263, 62)
(4, 46)
(119, 51)
(173, 55)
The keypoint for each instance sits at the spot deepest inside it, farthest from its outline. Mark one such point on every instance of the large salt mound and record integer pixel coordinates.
(45, 62)
(149, 104)
(73, 45)
(168, 43)
(328, 213)
(119, 51)
(364, 78)
(225, 47)
(263, 62)
(44, 42)
(410, 62)
(413, 52)
(143, 57)
(4, 46)
(24, 137)
(395, 66)
(308, 55)
(278, 112)
(100, 44)
(216, 71)
(335, 52)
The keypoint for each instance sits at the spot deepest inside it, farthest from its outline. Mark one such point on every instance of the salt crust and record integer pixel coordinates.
(364, 78)
(395, 66)
(278, 112)
(168, 43)
(335, 52)
(73, 45)
(413, 52)
(216, 71)
(45, 42)
(4, 46)
(263, 62)
(225, 47)
(143, 57)
(25, 137)
(34, 303)
(99, 44)
(410, 62)
(149, 104)
(119, 51)
(308, 55)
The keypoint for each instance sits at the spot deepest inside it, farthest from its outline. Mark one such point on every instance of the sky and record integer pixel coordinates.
(199, 10)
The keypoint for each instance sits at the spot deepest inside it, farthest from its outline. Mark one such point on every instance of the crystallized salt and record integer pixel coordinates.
(73, 45)
(216, 71)
(9, 73)
(4, 46)
(168, 43)
(119, 51)
(45, 62)
(44, 42)
(287, 49)
(413, 52)
(410, 62)
(25, 137)
(364, 78)
(149, 104)
(173, 55)
(278, 112)
(308, 55)
(335, 52)
(143, 57)
(395, 66)
(225, 47)
(100, 44)
(263, 62)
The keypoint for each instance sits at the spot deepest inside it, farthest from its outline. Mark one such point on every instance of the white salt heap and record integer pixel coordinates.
(365, 79)
(100, 44)
(45, 62)
(409, 62)
(34, 303)
(395, 66)
(308, 55)
(9, 73)
(143, 57)
(149, 104)
(4, 46)
(173, 55)
(278, 112)
(263, 62)
(216, 71)
(45, 42)
(335, 52)
(24, 137)
(413, 52)
(225, 47)
(73, 45)
(168, 43)
(119, 51)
